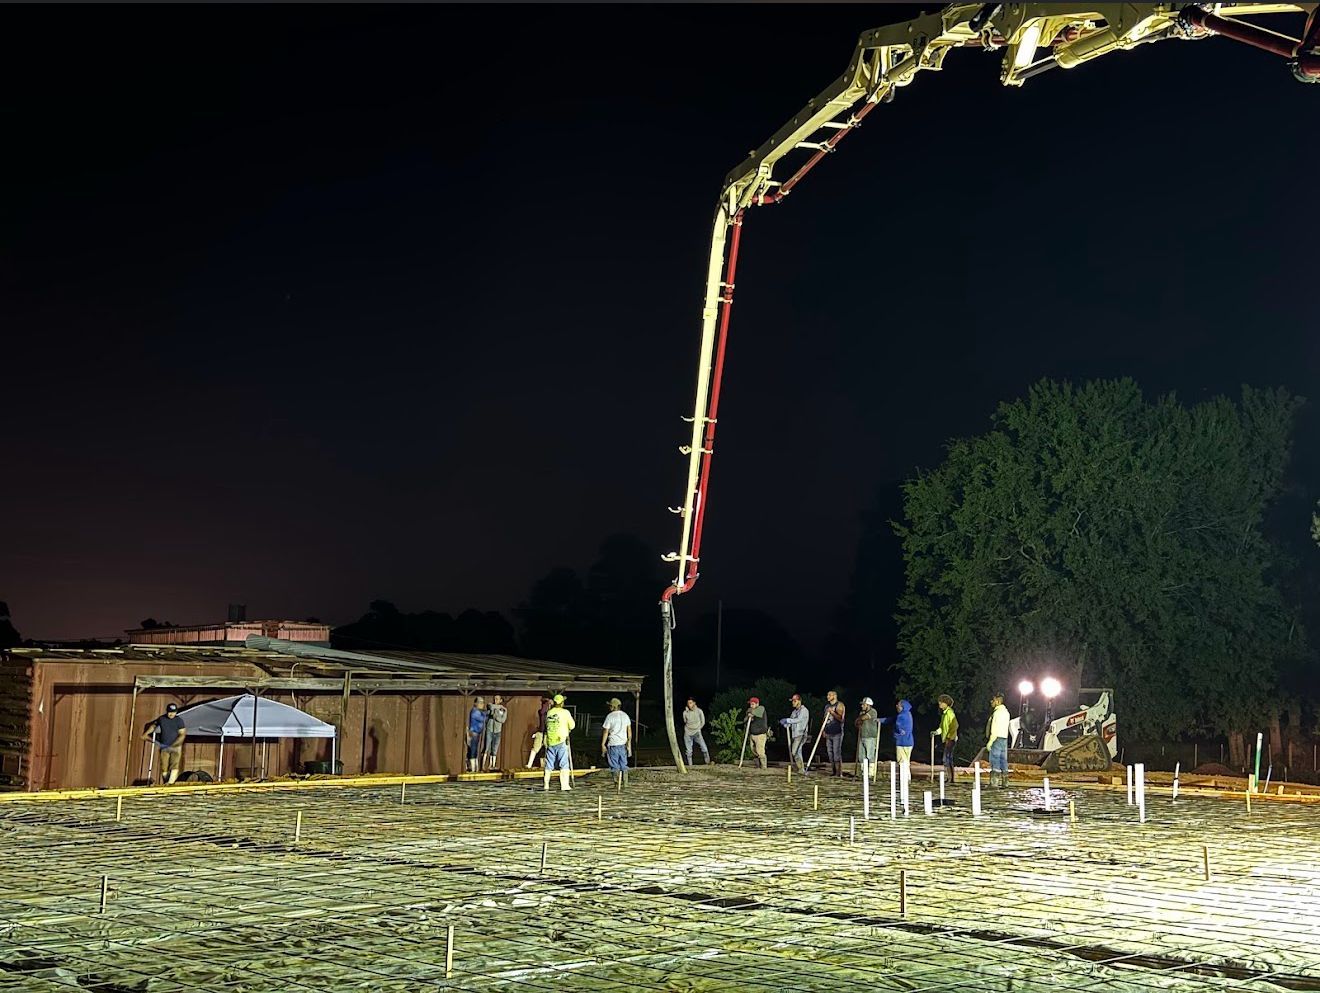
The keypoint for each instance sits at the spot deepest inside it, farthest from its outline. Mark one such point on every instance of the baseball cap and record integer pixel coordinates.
(559, 698)
(754, 700)
(615, 702)
(171, 708)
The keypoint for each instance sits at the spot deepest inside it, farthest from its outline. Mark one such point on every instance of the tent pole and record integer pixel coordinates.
(132, 723)
(220, 766)
(255, 701)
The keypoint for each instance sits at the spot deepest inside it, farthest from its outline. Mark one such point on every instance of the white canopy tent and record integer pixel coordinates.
(252, 717)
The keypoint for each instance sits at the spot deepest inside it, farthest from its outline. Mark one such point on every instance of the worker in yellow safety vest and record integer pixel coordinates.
(558, 725)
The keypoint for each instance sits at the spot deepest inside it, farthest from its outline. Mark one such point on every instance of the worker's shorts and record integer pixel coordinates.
(170, 760)
(556, 756)
(867, 750)
(834, 747)
(618, 756)
(999, 755)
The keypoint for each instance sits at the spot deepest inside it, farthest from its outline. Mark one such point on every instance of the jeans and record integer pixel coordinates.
(948, 757)
(688, 738)
(493, 743)
(795, 751)
(618, 756)
(999, 755)
(474, 745)
(834, 747)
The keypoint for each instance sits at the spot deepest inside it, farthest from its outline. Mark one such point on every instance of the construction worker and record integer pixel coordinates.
(798, 725)
(495, 718)
(616, 738)
(948, 731)
(694, 719)
(903, 740)
(868, 733)
(996, 733)
(476, 733)
(538, 733)
(835, 711)
(167, 733)
(758, 728)
(559, 724)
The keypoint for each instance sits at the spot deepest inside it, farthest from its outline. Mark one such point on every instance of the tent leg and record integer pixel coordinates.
(220, 766)
(334, 745)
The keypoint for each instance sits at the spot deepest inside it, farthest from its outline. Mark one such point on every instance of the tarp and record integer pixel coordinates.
(241, 716)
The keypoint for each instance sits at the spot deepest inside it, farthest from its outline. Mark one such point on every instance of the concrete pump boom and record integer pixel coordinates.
(1035, 38)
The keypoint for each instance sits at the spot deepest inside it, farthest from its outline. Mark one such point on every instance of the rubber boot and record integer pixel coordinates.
(565, 779)
(624, 774)
(547, 780)
(173, 776)
(531, 759)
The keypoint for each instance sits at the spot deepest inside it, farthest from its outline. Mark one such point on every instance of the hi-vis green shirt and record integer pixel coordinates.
(558, 723)
(948, 725)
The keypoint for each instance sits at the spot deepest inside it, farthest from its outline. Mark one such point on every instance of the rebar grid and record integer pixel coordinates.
(717, 880)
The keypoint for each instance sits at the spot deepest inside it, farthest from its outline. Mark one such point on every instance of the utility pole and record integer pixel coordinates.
(719, 640)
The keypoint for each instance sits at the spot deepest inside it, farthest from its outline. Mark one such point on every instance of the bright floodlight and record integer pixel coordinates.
(1050, 687)
(1025, 687)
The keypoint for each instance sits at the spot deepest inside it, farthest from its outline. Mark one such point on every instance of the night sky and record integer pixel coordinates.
(308, 306)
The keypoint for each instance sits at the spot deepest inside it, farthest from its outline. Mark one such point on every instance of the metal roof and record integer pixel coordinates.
(286, 666)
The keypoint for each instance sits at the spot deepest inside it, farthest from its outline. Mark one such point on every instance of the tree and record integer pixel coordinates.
(384, 626)
(151, 624)
(1112, 540)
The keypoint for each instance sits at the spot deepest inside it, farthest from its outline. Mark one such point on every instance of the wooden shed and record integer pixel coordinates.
(73, 718)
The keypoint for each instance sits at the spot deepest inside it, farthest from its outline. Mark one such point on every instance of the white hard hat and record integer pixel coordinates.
(867, 702)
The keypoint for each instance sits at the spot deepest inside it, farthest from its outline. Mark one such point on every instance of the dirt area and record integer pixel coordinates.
(719, 880)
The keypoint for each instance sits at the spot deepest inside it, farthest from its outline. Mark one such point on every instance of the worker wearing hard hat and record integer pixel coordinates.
(558, 725)
(996, 733)
(758, 729)
(868, 733)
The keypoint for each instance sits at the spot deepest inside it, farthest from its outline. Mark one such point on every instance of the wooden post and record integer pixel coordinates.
(902, 893)
(449, 952)
(105, 891)
(297, 828)
(132, 730)
(545, 845)
(1205, 861)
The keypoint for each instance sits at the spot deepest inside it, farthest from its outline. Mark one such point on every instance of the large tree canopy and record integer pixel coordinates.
(1112, 539)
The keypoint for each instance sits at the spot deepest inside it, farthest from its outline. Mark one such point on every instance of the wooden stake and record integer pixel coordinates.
(790, 770)
(403, 792)
(1248, 801)
(105, 891)
(930, 805)
(600, 809)
(119, 808)
(866, 789)
(1072, 811)
(1205, 861)
(1047, 792)
(297, 828)
(545, 845)
(902, 892)
(852, 830)
(449, 952)
(815, 796)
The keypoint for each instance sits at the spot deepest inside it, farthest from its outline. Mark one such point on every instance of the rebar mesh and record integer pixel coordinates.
(717, 880)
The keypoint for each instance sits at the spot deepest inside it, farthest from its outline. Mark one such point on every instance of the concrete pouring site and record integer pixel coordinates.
(720, 879)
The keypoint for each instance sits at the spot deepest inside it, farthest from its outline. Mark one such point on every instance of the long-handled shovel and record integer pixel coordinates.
(819, 734)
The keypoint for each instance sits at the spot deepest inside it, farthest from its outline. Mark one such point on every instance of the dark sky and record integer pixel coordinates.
(306, 306)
